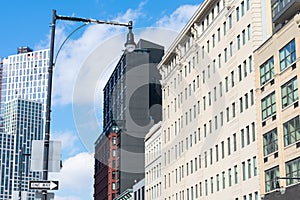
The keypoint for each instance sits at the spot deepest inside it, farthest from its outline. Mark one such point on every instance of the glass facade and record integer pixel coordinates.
(23, 106)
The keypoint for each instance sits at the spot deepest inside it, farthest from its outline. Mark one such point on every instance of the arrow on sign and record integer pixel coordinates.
(53, 185)
(43, 185)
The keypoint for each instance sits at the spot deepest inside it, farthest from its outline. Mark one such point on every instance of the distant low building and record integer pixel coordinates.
(153, 163)
(138, 190)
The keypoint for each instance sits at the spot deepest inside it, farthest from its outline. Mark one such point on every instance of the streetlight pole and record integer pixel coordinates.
(21, 155)
(129, 45)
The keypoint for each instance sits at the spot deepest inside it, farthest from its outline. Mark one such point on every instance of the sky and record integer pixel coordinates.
(80, 73)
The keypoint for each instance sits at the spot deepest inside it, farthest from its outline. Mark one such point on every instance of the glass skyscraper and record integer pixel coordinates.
(23, 107)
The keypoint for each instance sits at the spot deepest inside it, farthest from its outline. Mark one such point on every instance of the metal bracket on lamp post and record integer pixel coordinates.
(130, 45)
(281, 189)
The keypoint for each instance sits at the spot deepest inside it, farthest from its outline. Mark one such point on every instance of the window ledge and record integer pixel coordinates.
(290, 105)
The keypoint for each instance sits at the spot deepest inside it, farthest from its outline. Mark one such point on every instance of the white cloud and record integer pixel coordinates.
(69, 141)
(178, 19)
(76, 51)
(76, 177)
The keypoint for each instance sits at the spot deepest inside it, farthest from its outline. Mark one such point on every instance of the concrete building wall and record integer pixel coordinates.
(209, 134)
(274, 151)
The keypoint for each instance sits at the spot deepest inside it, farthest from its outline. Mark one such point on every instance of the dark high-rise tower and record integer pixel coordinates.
(132, 102)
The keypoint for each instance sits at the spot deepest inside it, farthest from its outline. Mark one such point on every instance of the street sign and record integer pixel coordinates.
(43, 185)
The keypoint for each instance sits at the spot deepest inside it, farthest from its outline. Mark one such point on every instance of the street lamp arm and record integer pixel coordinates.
(81, 26)
(86, 20)
(287, 178)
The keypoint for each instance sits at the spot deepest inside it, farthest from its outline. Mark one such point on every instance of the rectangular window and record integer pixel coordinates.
(242, 138)
(200, 188)
(250, 63)
(219, 34)
(249, 168)
(215, 94)
(216, 122)
(229, 146)
(244, 37)
(225, 55)
(207, 46)
(238, 38)
(231, 49)
(205, 159)
(113, 186)
(114, 140)
(218, 182)
(223, 180)
(213, 40)
(289, 92)
(291, 130)
(267, 71)
(229, 177)
(220, 86)
(211, 185)
(248, 134)
(211, 155)
(240, 72)
(248, 4)
(214, 66)
(206, 188)
(271, 178)
(241, 105)
(242, 8)
(246, 101)
(287, 55)
(222, 118)
(227, 114)
(245, 68)
(226, 84)
(244, 170)
(217, 153)
(234, 142)
(232, 79)
(223, 149)
(252, 97)
(253, 131)
(249, 31)
(268, 106)
(220, 60)
(254, 166)
(230, 21)
(236, 174)
(270, 142)
(224, 28)
(237, 13)
(292, 171)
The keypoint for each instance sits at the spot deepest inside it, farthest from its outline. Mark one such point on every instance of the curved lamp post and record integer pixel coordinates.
(129, 45)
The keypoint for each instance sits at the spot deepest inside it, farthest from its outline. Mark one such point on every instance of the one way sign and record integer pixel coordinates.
(43, 185)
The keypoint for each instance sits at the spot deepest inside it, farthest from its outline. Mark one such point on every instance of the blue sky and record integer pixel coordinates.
(26, 23)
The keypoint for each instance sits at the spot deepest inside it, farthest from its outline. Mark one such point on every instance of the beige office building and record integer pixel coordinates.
(153, 164)
(277, 75)
(209, 129)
